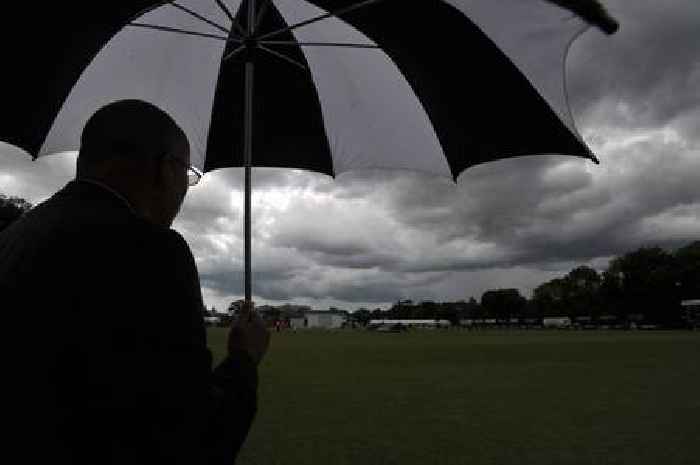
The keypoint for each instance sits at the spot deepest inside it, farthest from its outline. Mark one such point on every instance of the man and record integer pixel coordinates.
(108, 356)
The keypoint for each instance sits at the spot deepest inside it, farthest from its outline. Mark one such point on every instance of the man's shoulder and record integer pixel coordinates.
(76, 226)
(158, 241)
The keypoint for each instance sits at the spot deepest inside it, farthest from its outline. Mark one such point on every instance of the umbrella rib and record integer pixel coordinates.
(284, 57)
(199, 17)
(319, 18)
(234, 52)
(234, 21)
(179, 31)
(317, 44)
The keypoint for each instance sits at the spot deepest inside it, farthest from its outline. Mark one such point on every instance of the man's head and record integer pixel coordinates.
(138, 150)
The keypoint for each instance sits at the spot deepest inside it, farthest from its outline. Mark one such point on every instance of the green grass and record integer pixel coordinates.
(434, 397)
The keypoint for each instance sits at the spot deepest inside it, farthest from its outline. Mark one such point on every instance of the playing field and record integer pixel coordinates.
(453, 397)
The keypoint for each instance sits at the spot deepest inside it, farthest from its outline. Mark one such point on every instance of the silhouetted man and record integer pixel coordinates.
(108, 355)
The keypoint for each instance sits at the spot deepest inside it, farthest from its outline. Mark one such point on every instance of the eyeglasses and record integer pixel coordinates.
(193, 174)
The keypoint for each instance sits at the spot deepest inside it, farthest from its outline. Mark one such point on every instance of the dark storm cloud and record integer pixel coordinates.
(318, 282)
(557, 210)
(652, 65)
(337, 255)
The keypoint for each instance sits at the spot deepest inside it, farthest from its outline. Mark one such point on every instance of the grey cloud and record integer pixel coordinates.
(231, 282)
(351, 285)
(688, 125)
(556, 209)
(652, 64)
(266, 178)
(33, 180)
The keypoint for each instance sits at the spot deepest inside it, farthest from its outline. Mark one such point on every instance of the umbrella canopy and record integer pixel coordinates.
(451, 83)
(431, 85)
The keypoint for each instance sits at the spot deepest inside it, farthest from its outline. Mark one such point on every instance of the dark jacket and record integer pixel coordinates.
(105, 348)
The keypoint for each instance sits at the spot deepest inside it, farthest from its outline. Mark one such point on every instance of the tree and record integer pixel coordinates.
(648, 281)
(362, 316)
(549, 298)
(533, 312)
(610, 295)
(467, 310)
(473, 309)
(644, 281)
(11, 208)
(688, 270)
(576, 294)
(581, 287)
(450, 311)
(430, 310)
(503, 304)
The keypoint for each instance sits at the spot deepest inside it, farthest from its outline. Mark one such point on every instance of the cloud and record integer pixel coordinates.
(33, 180)
(651, 66)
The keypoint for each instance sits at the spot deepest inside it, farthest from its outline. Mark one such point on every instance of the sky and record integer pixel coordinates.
(367, 239)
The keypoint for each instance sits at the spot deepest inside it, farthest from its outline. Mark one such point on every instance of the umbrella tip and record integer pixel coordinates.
(610, 26)
(592, 11)
(605, 21)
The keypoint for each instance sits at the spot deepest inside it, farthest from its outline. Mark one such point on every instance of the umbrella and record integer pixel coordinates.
(430, 85)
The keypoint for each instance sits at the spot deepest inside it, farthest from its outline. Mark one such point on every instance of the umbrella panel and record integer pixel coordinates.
(480, 104)
(288, 130)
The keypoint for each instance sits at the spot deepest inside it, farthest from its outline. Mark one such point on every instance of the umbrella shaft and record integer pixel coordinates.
(248, 158)
(248, 152)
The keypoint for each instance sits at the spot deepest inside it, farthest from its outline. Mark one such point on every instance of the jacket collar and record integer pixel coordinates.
(93, 184)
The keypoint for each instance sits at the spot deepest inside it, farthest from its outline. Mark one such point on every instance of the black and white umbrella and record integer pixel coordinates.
(323, 85)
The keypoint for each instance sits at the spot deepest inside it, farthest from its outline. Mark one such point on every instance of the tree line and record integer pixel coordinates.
(11, 208)
(645, 285)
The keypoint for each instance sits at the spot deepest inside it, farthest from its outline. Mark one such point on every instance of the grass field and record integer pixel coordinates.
(435, 397)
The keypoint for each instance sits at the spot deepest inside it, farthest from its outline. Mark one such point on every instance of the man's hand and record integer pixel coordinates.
(248, 333)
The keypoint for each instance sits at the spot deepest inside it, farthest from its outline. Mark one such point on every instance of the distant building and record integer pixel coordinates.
(296, 316)
(557, 322)
(326, 319)
(212, 320)
(584, 322)
(297, 322)
(532, 322)
(412, 323)
(265, 308)
(293, 309)
(607, 321)
(691, 312)
(481, 323)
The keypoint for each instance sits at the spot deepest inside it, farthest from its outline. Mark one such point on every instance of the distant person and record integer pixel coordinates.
(108, 361)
